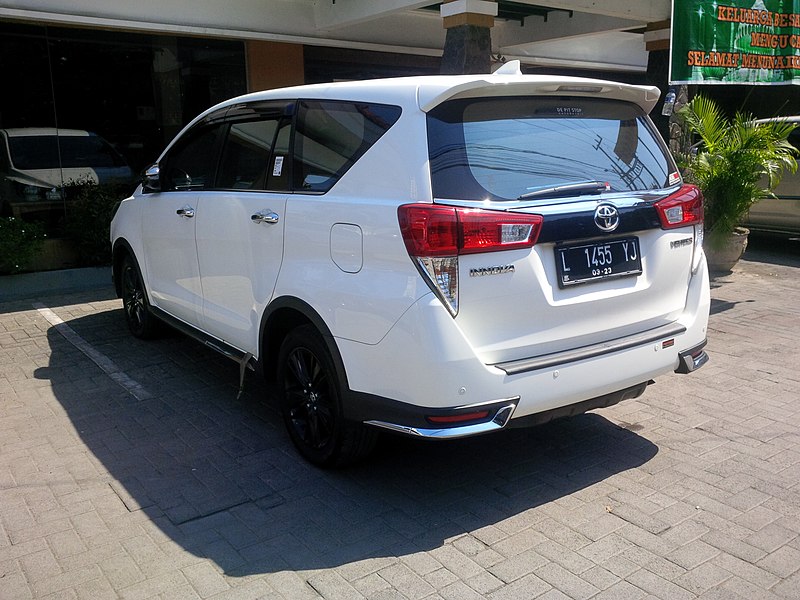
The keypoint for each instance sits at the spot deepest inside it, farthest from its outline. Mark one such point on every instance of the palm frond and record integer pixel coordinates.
(738, 161)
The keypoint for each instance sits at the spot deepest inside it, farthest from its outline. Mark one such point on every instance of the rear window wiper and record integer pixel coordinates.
(570, 189)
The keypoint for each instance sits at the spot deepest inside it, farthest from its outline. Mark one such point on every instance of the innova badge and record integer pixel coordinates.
(606, 217)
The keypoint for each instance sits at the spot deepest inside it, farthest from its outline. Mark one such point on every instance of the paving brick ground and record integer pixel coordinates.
(690, 491)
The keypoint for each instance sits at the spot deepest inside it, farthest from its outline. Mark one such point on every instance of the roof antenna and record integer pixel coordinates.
(512, 67)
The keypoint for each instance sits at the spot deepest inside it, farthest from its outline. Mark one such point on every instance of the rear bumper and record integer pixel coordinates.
(426, 366)
(414, 420)
(478, 420)
(692, 359)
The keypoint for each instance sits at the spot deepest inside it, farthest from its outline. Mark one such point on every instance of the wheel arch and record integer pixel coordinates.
(282, 316)
(120, 249)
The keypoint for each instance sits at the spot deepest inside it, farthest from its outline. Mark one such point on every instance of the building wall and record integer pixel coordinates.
(273, 65)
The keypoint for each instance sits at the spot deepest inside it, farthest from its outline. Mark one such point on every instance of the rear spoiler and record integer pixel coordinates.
(514, 83)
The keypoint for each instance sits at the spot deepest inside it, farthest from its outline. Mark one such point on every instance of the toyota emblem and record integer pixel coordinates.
(606, 217)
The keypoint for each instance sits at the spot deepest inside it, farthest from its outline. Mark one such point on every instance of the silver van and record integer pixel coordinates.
(782, 213)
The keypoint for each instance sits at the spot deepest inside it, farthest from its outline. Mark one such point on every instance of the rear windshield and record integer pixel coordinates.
(504, 148)
(42, 152)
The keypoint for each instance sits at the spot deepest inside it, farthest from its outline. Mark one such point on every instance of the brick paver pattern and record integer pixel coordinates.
(690, 491)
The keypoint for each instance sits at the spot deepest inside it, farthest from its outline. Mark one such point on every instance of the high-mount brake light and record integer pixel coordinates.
(435, 236)
(681, 209)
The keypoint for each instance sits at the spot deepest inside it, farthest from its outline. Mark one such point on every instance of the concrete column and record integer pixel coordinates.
(657, 42)
(468, 45)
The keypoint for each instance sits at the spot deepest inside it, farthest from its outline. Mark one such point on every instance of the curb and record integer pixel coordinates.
(25, 285)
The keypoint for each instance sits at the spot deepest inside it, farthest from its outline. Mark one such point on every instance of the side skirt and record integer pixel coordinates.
(245, 360)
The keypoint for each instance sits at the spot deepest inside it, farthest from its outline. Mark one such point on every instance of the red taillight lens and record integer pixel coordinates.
(430, 230)
(684, 207)
(488, 231)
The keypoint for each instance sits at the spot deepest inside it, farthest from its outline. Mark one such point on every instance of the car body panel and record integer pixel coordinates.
(169, 254)
(231, 248)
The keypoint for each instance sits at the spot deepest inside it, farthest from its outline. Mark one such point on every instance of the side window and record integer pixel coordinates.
(191, 164)
(246, 155)
(331, 136)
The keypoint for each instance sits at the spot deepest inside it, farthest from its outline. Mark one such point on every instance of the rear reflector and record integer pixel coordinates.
(683, 208)
(461, 418)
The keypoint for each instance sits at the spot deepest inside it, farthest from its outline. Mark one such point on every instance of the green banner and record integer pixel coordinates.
(735, 42)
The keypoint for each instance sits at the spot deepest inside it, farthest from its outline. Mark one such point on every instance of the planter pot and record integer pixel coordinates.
(723, 252)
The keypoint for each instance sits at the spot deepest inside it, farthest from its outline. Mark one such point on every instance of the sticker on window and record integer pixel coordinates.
(560, 111)
(674, 178)
(277, 168)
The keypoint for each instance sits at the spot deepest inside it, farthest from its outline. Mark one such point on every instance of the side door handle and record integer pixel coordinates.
(265, 216)
(186, 212)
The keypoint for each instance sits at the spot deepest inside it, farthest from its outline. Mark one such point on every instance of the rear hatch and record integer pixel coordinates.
(590, 181)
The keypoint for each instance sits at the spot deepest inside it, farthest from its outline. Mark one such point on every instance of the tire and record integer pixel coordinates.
(140, 319)
(310, 396)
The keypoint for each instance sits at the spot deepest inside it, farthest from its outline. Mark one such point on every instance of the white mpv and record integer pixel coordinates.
(441, 256)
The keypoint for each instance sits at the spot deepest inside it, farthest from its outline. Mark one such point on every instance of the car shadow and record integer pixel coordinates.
(220, 477)
(721, 306)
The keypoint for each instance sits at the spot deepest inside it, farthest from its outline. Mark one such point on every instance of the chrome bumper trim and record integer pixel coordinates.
(499, 421)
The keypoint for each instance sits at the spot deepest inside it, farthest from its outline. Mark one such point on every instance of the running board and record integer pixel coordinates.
(245, 359)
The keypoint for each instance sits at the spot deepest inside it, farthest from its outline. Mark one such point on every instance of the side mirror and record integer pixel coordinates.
(152, 181)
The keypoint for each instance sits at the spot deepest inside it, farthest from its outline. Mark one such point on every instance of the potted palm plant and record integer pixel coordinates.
(735, 163)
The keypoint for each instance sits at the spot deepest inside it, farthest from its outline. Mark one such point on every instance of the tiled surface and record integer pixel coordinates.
(689, 491)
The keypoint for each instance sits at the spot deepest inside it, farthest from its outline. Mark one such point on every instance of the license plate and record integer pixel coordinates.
(582, 263)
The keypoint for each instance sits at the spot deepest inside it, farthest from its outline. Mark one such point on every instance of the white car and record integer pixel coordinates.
(441, 256)
(37, 162)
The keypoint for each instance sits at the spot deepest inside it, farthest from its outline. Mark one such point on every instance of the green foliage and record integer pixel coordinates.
(90, 208)
(20, 241)
(738, 161)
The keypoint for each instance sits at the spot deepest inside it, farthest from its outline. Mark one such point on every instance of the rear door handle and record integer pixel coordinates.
(265, 216)
(185, 211)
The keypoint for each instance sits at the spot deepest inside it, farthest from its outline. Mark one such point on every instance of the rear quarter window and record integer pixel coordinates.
(331, 136)
(503, 148)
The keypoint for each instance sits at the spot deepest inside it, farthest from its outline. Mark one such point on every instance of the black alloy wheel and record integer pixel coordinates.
(311, 403)
(140, 320)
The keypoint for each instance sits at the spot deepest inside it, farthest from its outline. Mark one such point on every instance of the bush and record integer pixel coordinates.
(20, 241)
(738, 161)
(89, 212)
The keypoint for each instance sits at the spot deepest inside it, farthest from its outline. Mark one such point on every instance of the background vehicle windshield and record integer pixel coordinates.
(503, 148)
(42, 152)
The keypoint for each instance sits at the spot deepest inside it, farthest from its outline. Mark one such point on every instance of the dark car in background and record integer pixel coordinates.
(780, 214)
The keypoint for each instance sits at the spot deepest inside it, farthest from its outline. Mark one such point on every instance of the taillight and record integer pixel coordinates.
(435, 236)
(430, 230)
(683, 208)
